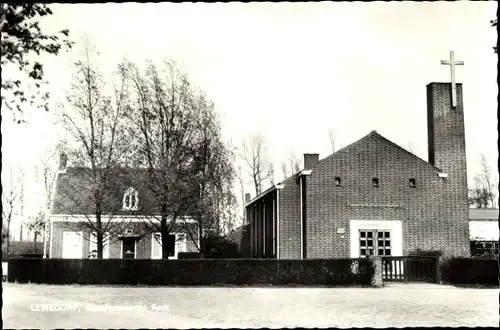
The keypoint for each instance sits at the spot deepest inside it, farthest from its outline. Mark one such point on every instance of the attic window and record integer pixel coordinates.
(412, 183)
(338, 181)
(131, 199)
(375, 182)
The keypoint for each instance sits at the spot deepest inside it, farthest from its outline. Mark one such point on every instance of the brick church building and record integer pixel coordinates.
(372, 197)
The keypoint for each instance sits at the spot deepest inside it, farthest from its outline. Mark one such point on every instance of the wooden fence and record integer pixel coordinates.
(409, 269)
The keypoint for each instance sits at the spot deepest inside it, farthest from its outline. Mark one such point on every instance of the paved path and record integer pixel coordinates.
(396, 305)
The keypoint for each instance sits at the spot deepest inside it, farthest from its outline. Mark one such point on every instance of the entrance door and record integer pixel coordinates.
(128, 248)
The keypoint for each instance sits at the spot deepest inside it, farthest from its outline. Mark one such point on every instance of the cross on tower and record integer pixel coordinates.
(452, 64)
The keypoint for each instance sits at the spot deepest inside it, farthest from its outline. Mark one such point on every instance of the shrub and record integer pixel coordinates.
(330, 272)
(188, 255)
(220, 247)
(470, 271)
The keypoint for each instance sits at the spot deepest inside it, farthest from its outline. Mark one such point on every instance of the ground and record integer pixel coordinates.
(397, 305)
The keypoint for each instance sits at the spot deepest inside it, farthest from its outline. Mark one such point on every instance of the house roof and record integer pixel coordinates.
(74, 195)
(372, 134)
(483, 214)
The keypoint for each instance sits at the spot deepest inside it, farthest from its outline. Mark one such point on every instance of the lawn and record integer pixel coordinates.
(398, 305)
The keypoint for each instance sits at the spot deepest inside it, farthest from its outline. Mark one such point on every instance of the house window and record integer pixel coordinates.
(412, 183)
(131, 199)
(338, 181)
(374, 243)
(375, 182)
(72, 245)
(484, 248)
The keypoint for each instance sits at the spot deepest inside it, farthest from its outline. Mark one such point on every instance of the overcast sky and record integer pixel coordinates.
(291, 71)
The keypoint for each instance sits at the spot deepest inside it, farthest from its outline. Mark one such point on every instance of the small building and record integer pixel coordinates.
(130, 216)
(484, 231)
(372, 197)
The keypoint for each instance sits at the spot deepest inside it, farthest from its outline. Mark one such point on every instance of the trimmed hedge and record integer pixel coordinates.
(470, 271)
(330, 272)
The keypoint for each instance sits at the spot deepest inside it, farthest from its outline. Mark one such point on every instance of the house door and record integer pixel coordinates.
(128, 248)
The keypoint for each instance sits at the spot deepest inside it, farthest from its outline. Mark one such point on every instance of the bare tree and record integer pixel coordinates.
(162, 121)
(294, 165)
(484, 190)
(256, 157)
(46, 172)
(213, 172)
(12, 192)
(333, 137)
(271, 174)
(95, 122)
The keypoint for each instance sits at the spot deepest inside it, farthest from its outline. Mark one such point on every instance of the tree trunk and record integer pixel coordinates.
(164, 232)
(99, 235)
(8, 232)
(34, 243)
(200, 236)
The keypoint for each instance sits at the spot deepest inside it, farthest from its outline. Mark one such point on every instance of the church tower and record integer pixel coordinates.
(446, 131)
(446, 138)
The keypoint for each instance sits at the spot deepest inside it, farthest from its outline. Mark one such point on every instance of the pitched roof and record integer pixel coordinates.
(74, 195)
(372, 134)
(375, 134)
(483, 214)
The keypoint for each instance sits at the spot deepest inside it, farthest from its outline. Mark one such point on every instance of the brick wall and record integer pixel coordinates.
(446, 130)
(290, 219)
(434, 213)
(426, 224)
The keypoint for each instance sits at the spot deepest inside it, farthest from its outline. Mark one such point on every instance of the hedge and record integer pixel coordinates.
(470, 271)
(330, 272)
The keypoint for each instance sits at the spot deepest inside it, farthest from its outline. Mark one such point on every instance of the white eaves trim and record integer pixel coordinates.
(305, 172)
(443, 175)
(120, 218)
(273, 188)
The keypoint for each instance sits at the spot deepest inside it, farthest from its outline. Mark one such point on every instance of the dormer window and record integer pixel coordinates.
(375, 182)
(130, 199)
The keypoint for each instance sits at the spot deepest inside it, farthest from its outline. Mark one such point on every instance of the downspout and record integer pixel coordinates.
(302, 177)
(278, 188)
(263, 228)
(301, 221)
(274, 225)
(277, 223)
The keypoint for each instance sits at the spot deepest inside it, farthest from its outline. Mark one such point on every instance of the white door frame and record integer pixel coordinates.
(395, 226)
(135, 249)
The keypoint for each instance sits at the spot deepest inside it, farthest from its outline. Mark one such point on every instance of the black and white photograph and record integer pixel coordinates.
(249, 165)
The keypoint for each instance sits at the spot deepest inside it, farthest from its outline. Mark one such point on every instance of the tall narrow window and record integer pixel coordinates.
(412, 183)
(131, 199)
(375, 182)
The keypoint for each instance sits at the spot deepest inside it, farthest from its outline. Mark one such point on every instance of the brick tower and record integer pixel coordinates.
(446, 137)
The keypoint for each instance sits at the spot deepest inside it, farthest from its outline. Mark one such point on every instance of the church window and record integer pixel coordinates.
(130, 199)
(413, 183)
(375, 182)
(337, 181)
(374, 242)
